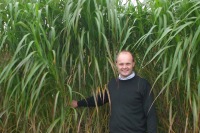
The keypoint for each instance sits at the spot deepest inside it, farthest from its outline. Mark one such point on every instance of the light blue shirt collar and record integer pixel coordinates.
(127, 78)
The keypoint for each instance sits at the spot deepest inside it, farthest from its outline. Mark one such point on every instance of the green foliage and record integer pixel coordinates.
(56, 51)
(172, 52)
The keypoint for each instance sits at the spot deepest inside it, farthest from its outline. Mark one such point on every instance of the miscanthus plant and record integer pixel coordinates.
(171, 52)
(54, 51)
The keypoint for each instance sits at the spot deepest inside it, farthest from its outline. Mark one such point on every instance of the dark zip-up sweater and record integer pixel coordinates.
(132, 110)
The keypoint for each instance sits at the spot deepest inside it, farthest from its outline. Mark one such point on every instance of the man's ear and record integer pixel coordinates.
(133, 63)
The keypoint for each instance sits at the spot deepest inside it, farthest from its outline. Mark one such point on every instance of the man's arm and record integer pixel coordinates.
(92, 101)
(74, 104)
(150, 110)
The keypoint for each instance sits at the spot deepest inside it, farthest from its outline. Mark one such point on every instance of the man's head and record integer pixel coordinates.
(125, 63)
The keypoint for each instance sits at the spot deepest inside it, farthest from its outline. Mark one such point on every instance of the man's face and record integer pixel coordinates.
(125, 64)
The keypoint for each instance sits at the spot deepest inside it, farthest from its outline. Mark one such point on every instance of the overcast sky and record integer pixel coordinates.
(133, 1)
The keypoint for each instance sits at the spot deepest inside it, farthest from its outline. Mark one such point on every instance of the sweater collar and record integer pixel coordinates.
(128, 77)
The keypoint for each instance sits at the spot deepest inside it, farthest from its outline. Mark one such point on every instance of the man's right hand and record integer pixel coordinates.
(74, 104)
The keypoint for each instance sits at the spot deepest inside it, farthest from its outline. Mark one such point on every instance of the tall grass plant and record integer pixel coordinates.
(56, 51)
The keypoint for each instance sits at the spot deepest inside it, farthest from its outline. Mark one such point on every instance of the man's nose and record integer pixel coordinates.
(124, 66)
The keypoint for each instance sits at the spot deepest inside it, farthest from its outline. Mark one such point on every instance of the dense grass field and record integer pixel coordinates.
(53, 51)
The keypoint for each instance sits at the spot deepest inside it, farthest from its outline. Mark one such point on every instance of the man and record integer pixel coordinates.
(132, 108)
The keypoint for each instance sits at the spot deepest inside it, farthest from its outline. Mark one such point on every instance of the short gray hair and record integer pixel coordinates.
(124, 51)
